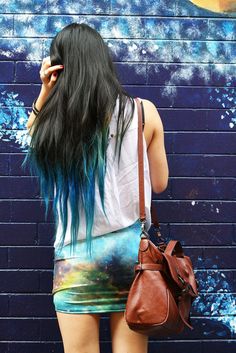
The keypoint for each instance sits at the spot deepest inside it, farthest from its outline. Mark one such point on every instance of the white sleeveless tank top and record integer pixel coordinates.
(121, 186)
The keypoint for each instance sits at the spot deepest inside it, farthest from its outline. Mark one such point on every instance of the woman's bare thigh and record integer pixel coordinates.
(80, 332)
(123, 338)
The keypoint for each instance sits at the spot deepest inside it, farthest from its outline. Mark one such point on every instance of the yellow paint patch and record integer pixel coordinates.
(217, 5)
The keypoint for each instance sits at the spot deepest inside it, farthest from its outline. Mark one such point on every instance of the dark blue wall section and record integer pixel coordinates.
(181, 57)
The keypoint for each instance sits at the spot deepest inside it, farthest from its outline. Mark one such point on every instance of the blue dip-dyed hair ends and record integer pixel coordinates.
(67, 150)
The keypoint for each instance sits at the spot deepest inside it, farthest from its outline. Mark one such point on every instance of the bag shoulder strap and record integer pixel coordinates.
(142, 213)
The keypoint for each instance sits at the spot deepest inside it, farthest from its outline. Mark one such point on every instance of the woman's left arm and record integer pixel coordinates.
(39, 103)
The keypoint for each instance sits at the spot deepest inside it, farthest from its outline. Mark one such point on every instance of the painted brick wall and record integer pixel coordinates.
(181, 57)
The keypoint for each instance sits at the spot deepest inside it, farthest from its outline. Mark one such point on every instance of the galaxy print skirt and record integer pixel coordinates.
(100, 285)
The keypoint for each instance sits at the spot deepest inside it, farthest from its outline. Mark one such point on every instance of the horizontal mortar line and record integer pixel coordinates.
(195, 200)
(159, 200)
(190, 200)
(201, 177)
(105, 317)
(219, 269)
(22, 270)
(170, 131)
(37, 84)
(167, 108)
(124, 15)
(51, 246)
(135, 38)
(179, 86)
(135, 85)
(51, 271)
(52, 318)
(199, 223)
(168, 153)
(28, 294)
(163, 223)
(170, 177)
(130, 62)
(146, 62)
(110, 13)
(13, 294)
(184, 62)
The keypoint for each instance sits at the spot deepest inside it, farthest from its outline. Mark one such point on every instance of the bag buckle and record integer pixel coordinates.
(181, 278)
(144, 233)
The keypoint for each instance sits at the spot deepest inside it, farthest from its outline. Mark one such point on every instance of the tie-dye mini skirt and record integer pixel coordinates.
(100, 284)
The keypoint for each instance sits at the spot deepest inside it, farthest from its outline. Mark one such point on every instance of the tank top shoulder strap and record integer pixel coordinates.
(143, 115)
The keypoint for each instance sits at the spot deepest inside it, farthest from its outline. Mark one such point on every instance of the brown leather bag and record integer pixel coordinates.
(164, 284)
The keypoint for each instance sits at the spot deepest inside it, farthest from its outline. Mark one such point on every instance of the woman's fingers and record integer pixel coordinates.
(50, 69)
(46, 62)
(48, 73)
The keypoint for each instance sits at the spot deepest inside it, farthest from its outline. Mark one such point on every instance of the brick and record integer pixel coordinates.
(221, 29)
(198, 142)
(4, 164)
(202, 234)
(50, 330)
(165, 8)
(31, 305)
(5, 210)
(46, 233)
(23, 329)
(175, 28)
(131, 73)
(28, 72)
(219, 346)
(30, 257)
(15, 281)
(17, 234)
(6, 72)
(195, 119)
(21, 49)
(46, 281)
(4, 307)
(6, 25)
(18, 187)
(108, 27)
(218, 281)
(79, 7)
(17, 6)
(30, 211)
(197, 188)
(37, 347)
(198, 211)
(171, 51)
(15, 162)
(25, 94)
(189, 97)
(202, 165)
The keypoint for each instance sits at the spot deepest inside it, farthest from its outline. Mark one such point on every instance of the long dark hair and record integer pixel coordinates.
(70, 134)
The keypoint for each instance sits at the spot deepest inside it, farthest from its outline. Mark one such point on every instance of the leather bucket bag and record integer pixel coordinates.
(164, 285)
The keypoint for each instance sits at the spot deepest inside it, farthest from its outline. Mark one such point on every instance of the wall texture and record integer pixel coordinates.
(183, 58)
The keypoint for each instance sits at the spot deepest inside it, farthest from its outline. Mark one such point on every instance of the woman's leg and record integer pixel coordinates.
(80, 332)
(123, 338)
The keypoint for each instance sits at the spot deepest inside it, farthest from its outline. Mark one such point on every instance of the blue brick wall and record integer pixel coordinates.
(183, 58)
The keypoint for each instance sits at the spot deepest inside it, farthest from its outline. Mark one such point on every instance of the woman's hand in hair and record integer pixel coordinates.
(48, 74)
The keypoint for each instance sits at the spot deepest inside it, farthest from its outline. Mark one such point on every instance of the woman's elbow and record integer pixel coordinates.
(160, 187)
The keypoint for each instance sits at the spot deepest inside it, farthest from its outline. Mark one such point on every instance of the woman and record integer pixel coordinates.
(84, 150)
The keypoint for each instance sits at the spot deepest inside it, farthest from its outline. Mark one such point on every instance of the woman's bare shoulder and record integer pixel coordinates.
(153, 122)
(151, 112)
